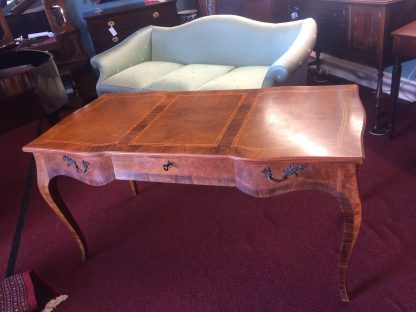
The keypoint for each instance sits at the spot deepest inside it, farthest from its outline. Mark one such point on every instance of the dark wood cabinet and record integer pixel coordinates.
(357, 30)
(261, 10)
(255, 9)
(112, 26)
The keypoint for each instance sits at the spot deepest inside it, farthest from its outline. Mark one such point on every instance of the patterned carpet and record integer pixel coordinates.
(197, 248)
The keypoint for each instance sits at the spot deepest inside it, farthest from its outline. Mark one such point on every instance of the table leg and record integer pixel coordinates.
(349, 199)
(134, 188)
(377, 130)
(394, 94)
(48, 189)
(338, 180)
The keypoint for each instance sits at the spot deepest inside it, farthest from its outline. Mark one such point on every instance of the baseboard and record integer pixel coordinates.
(366, 76)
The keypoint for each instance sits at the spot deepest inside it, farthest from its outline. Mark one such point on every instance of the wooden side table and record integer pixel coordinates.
(404, 47)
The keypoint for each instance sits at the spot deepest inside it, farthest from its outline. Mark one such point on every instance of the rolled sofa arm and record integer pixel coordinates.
(295, 56)
(135, 49)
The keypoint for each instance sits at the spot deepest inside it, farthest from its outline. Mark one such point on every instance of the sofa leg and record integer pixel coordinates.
(134, 188)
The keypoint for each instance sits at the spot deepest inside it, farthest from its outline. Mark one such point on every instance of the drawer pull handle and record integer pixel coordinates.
(167, 165)
(291, 170)
(115, 39)
(69, 161)
(111, 24)
(156, 14)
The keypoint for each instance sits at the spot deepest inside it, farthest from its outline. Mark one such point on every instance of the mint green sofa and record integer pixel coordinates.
(216, 52)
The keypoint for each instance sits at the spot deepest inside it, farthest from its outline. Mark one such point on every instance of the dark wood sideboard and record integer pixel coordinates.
(261, 10)
(128, 20)
(359, 31)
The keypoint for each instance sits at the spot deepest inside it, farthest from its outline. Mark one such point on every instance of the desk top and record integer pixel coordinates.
(404, 41)
(312, 123)
(408, 30)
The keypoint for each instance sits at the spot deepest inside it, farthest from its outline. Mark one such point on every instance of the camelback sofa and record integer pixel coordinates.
(214, 52)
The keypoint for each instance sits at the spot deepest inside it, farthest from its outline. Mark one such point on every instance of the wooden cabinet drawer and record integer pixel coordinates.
(334, 13)
(131, 19)
(176, 169)
(127, 21)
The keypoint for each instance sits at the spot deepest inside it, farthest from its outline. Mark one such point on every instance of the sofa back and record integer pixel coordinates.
(224, 40)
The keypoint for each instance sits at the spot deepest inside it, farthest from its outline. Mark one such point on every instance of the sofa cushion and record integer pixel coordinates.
(247, 77)
(135, 78)
(189, 77)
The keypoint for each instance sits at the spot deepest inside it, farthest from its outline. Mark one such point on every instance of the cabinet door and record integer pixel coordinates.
(365, 30)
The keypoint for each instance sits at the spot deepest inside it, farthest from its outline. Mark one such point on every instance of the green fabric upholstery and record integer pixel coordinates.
(135, 49)
(247, 77)
(127, 79)
(212, 52)
(189, 77)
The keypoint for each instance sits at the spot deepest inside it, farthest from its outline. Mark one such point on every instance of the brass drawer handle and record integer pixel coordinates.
(111, 24)
(291, 170)
(69, 161)
(115, 39)
(167, 165)
(156, 14)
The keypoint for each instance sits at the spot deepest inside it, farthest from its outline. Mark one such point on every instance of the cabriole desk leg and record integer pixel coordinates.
(349, 199)
(48, 189)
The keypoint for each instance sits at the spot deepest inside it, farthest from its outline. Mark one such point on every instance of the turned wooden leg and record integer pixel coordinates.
(134, 188)
(48, 189)
(377, 130)
(394, 94)
(349, 198)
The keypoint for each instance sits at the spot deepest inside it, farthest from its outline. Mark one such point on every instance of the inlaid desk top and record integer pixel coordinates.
(264, 142)
(311, 123)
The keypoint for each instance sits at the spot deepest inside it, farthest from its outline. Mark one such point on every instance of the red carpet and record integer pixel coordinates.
(197, 248)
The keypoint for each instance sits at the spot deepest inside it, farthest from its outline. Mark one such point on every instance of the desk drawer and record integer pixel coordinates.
(184, 170)
(272, 178)
(93, 170)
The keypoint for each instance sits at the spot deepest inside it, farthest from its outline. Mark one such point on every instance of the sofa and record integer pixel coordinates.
(215, 52)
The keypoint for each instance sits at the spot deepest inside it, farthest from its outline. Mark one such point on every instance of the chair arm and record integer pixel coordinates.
(135, 49)
(295, 56)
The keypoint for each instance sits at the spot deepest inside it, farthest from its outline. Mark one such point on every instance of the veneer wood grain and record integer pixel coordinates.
(265, 142)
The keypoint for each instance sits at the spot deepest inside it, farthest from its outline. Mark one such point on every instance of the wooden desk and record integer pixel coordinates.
(264, 142)
(404, 46)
